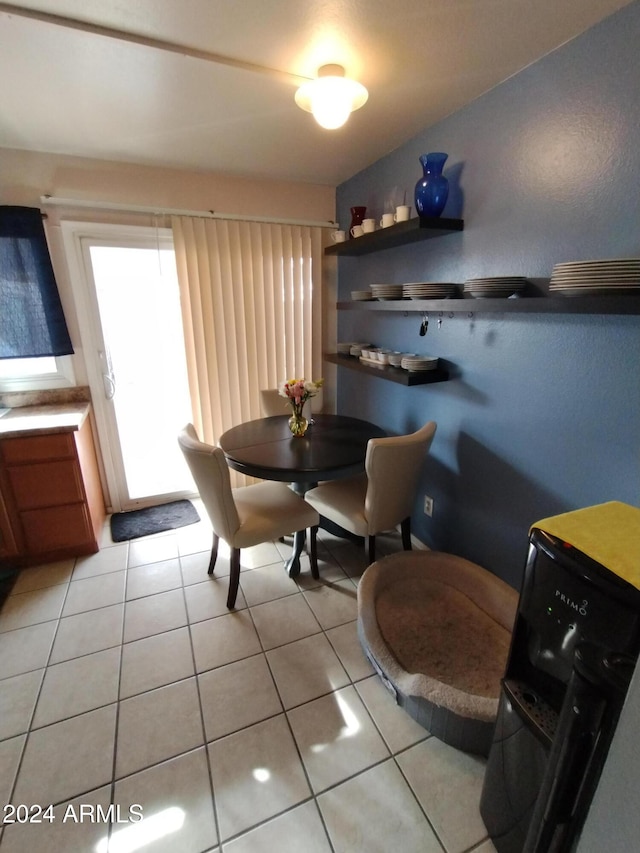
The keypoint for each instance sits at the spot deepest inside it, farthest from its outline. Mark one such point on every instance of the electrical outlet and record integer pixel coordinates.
(428, 506)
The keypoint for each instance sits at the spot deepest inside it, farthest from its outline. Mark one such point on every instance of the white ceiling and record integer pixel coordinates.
(78, 92)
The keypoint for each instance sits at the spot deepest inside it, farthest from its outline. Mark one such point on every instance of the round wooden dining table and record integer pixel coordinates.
(334, 446)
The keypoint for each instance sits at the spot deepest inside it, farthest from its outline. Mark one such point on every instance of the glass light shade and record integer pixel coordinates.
(331, 97)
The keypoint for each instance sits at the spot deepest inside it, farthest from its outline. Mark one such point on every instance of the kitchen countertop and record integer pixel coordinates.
(41, 420)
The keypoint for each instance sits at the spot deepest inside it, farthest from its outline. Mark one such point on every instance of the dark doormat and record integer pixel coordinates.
(153, 519)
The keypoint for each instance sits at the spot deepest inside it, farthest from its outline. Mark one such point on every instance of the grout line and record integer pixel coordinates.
(415, 797)
(351, 681)
(196, 675)
(283, 713)
(313, 795)
(116, 725)
(27, 734)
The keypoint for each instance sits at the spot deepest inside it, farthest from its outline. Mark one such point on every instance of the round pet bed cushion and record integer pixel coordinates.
(437, 629)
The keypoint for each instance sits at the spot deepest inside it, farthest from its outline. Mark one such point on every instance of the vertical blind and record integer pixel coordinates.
(32, 323)
(252, 313)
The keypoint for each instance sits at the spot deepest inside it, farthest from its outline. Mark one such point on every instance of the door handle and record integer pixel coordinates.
(108, 377)
(109, 386)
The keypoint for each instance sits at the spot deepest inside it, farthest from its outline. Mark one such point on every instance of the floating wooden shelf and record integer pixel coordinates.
(400, 234)
(385, 371)
(627, 304)
(423, 228)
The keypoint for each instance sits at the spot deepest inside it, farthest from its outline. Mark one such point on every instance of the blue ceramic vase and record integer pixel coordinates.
(432, 189)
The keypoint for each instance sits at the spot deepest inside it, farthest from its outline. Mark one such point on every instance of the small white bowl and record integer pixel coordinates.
(395, 358)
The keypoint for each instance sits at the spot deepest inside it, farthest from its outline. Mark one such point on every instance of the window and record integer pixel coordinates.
(36, 374)
(33, 323)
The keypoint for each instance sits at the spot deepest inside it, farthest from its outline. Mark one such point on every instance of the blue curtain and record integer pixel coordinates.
(32, 323)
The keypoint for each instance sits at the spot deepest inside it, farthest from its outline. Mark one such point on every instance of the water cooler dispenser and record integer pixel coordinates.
(574, 647)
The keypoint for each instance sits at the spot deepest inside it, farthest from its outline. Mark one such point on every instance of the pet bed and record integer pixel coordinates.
(437, 629)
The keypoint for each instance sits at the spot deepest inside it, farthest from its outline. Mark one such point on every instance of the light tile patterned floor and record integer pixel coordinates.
(124, 680)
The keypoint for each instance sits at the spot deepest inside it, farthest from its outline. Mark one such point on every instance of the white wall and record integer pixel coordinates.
(26, 176)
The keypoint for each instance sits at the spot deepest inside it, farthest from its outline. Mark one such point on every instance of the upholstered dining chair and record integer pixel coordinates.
(272, 403)
(383, 496)
(244, 516)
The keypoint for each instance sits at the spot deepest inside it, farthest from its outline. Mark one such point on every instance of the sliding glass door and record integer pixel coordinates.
(127, 297)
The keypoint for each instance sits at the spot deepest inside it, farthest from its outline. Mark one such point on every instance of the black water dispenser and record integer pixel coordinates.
(574, 647)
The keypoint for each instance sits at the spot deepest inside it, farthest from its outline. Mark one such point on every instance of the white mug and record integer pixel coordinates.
(387, 220)
(357, 231)
(338, 236)
(402, 213)
(368, 225)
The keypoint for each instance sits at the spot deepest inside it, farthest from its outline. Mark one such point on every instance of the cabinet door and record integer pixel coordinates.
(88, 460)
(57, 528)
(38, 448)
(46, 484)
(8, 545)
(51, 486)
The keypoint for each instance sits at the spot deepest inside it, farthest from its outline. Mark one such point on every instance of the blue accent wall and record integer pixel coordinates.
(543, 413)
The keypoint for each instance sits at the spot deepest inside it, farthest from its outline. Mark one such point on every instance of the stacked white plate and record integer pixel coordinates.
(361, 295)
(428, 290)
(386, 291)
(595, 278)
(495, 287)
(345, 348)
(419, 363)
(356, 349)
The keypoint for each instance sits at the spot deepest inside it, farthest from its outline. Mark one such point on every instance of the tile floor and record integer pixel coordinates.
(128, 689)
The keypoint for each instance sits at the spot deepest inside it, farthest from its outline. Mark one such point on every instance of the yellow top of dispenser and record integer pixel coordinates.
(609, 533)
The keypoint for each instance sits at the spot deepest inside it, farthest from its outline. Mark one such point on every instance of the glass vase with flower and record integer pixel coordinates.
(298, 391)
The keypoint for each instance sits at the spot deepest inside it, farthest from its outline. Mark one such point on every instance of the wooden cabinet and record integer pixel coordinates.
(53, 504)
(8, 546)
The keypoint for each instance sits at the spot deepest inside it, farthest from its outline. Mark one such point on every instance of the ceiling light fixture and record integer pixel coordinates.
(331, 97)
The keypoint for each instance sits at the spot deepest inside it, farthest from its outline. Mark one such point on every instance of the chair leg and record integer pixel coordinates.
(313, 551)
(214, 554)
(371, 548)
(234, 578)
(405, 528)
